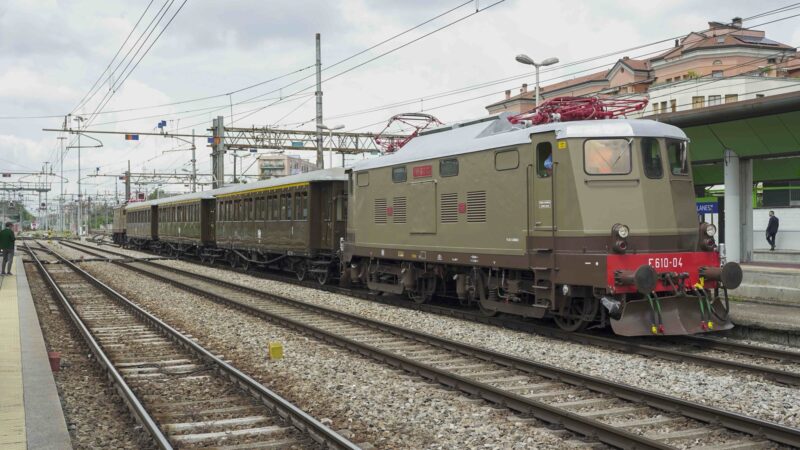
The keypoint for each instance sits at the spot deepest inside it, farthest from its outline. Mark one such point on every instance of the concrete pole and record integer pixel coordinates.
(733, 199)
(194, 165)
(746, 189)
(61, 197)
(128, 184)
(320, 157)
(80, 194)
(218, 154)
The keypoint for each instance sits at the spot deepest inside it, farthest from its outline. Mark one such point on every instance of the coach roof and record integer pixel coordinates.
(334, 174)
(499, 132)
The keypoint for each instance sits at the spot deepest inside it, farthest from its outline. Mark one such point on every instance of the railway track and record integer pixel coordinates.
(611, 413)
(181, 394)
(770, 363)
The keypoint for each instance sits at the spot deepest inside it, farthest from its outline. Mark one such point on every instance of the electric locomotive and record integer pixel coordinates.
(588, 222)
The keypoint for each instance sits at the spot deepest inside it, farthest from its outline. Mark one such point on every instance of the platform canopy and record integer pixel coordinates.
(766, 130)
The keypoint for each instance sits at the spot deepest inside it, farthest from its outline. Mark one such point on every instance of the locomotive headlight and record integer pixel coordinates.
(623, 231)
(711, 230)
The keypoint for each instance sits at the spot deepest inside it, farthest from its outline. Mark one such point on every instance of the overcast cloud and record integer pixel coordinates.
(52, 51)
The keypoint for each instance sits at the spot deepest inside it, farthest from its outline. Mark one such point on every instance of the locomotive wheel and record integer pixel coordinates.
(426, 286)
(300, 271)
(233, 260)
(245, 264)
(322, 277)
(579, 313)
(486, 312)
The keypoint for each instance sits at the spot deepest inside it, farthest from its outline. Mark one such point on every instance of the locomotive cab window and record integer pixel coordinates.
(678, 156)
(651, 158)
(448, 167)
(399, 174)
(544, 159)
(362, 179)
(607, 157)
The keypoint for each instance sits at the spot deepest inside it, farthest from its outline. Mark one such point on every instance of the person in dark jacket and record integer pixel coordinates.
(772, 230)
(7, 239)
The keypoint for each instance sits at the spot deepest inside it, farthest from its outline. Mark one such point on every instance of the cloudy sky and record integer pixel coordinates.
(52, 52)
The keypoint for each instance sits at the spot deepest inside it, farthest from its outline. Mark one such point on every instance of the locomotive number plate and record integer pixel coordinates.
(675, 262)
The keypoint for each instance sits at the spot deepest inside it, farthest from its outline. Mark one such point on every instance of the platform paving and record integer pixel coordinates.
(30, 408)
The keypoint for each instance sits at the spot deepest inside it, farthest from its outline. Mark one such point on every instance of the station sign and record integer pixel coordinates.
(707, 208)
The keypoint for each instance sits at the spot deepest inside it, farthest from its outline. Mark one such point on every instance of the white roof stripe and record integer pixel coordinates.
(498, 134)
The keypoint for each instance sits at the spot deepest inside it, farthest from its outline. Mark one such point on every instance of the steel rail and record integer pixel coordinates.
(319, 432)
(617, 344)
(732, 421)
(131, 401)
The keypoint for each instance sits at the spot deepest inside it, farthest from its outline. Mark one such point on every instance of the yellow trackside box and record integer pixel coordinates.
(275, 350)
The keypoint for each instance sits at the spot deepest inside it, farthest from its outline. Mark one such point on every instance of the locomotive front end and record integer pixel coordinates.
(663, 273)
(669, 293)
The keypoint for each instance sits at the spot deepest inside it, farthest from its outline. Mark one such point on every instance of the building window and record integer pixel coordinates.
(651, 158)
(607, 156)
(730, 98)
(716, 73)
(717, 62)
(698, 102)
(673, 105)
(771, 60)
(714, 100)
(399, 174)
(720, 39)
(668, 80)
(759, 95)
(664, 107)
(448, 167)
(655, 108)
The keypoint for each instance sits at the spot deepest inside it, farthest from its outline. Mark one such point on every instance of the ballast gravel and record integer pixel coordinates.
(367, 401)
(740, 392)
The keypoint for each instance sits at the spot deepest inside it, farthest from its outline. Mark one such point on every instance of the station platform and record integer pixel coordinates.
(30, 409)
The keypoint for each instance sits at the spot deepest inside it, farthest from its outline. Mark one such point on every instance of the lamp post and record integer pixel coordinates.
(330, 142)
(525, 59)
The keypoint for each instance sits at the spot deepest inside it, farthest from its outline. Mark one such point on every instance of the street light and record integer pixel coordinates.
(525, 59)
(330, 143)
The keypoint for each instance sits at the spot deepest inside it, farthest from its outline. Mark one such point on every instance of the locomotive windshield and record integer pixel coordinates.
(651, 158)
(678, 157)
(607, 156)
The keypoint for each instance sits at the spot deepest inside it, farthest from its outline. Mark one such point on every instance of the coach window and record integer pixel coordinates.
(607, 157)
(399, 174)
(274, 208)
(250, 210)
(651, 158)
(448, 167)
(341, 206)
(678, 157)
(544, 159)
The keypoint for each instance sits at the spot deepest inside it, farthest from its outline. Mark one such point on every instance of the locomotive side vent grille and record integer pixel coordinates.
(399, 210)
(380, 210)
(476, 206)
(449, 208)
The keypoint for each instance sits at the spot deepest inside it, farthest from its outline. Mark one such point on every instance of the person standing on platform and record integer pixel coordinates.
(7, 239)
(772, 230)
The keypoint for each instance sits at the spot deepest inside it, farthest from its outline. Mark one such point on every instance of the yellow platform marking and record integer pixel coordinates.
(12, 408)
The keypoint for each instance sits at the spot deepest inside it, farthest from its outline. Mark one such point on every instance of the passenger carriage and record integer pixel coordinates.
(292, 223)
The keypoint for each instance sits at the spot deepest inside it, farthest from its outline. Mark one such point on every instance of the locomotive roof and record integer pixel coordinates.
(499, 132)
(334, 174)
